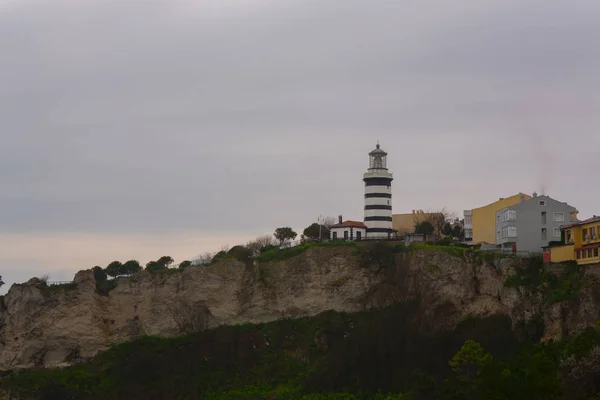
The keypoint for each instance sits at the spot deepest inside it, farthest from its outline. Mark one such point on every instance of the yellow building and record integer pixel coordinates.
(581, 242)
(480, 223)
(405, 223)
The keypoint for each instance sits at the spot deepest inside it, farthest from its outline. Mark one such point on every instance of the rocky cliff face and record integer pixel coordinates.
(43, 326)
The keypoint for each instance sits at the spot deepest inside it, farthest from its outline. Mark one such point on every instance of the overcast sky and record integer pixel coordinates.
(136, 129)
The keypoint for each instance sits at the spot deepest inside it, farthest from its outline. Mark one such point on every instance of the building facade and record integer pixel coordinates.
(480, 223)
(580, 241)
(347, 230)
(378, 196)
(530, 225)
(405, 223)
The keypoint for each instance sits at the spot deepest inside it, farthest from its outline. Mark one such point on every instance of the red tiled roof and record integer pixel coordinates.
(348, 224)
(578, 223)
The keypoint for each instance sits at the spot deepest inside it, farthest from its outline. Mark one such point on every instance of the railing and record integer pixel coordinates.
(51, 283)
(522, 253)
(295, 243)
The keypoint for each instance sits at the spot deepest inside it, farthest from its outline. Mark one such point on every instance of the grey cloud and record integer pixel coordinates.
(132, 116)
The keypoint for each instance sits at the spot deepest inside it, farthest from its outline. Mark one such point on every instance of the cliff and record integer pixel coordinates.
(57, 326)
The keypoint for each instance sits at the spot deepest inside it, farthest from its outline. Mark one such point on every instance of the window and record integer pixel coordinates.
(596, 252)
(543, 217)
(542, 203)
(388, 202)
(559, 217)
(345, 235)
(506, 215)
(509, 232)
(568, 236)
(358, 235)
(593, 232)
(556, 232)
(578, 254)
(589, 253)
(584, 235)
(511, 215)
(544, 234)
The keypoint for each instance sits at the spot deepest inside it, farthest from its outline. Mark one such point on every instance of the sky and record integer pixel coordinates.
(133, 129)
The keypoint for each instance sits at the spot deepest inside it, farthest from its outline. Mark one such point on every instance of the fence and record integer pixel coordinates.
(295, 243)
(508, 252)
(51, 283)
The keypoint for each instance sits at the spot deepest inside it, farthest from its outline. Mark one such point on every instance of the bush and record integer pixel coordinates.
(240, 253)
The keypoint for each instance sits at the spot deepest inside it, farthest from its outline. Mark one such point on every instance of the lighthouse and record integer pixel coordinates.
(378, 196)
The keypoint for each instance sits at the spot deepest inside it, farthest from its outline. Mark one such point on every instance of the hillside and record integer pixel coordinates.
(402, 310)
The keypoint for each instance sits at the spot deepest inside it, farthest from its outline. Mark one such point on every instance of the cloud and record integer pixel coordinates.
(236, 117)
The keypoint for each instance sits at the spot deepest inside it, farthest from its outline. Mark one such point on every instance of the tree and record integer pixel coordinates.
(284, 234)
(1, 281)
(204, 258)
(185, 264)
(99, 274)
(437, 219)
(466, 364)
(131, 267)
(458, 232)
(260, 243)
(114, 269)
(329, 221)
(316, 231)
(154, 266)
(425, 228)
(241, 253)
(447, 229)
(219, 256)
(165, 261)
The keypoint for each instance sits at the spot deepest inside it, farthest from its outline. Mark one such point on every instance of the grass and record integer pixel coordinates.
(456, 251)
(283, 254)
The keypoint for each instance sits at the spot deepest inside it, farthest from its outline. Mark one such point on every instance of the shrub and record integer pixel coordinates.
(240, 253)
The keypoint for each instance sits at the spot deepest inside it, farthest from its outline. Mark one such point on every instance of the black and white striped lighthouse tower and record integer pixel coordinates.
(378, 195)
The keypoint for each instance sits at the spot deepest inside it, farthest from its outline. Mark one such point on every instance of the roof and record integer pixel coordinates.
(588, 246)
(349, 224)
(378, 150)
(595, 218)
(526, 196)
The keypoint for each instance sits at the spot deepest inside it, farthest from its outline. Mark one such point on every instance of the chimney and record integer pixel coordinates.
(534, 195)
(340, 219)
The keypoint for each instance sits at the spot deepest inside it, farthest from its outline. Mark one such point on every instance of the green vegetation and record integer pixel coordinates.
(56, 288)
(277, 254)
(386, 354)
(378, 355)
(284, 235)
(425, 228)
(357, 356)
(553, 287)
(316, 232)
(161, 264)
